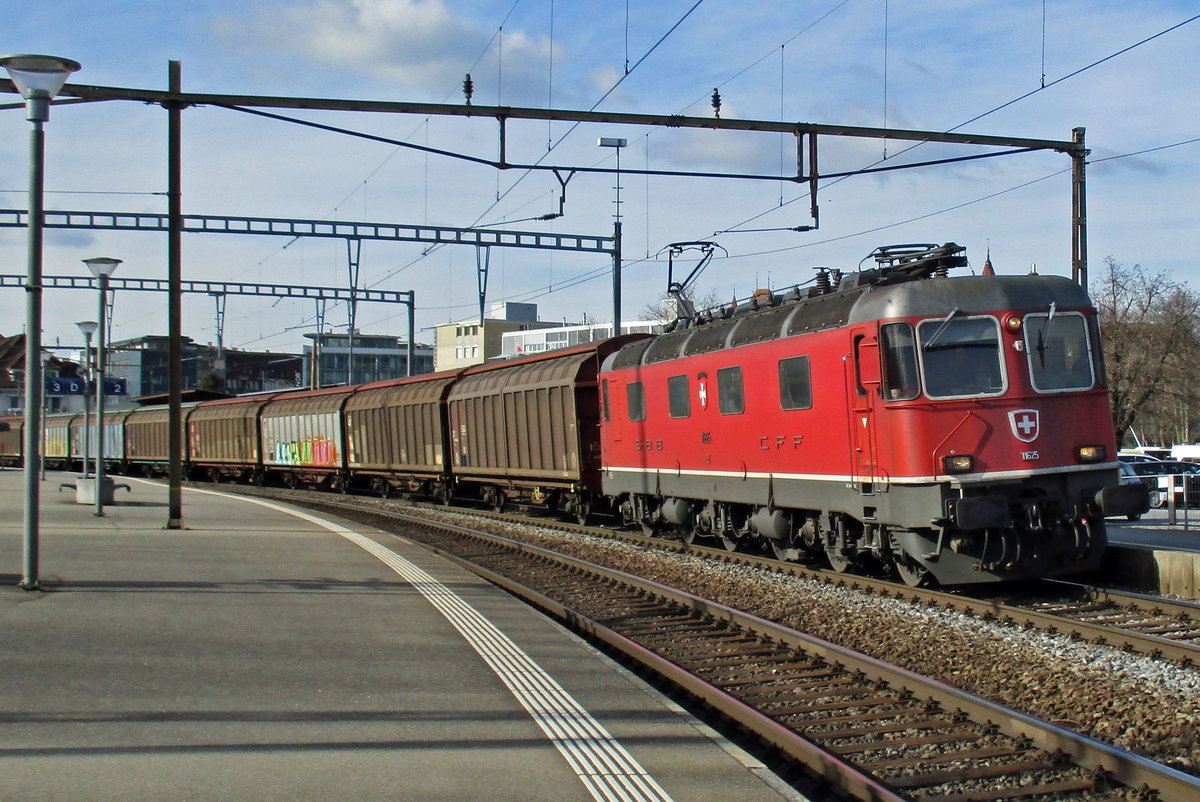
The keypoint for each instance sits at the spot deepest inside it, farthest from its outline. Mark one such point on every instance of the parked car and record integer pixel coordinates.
(1131, 477)
(1136, 456)
(1157, 478)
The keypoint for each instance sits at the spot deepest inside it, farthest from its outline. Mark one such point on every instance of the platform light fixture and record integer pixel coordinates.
(88, 327)
(38, 79)
(102, 267)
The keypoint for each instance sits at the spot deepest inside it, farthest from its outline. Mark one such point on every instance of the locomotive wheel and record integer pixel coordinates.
(911, 572)
(730, 542)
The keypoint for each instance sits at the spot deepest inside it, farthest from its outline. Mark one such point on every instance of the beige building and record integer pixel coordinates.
(466, 343)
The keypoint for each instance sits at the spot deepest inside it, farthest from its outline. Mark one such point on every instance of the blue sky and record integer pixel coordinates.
(922, 65)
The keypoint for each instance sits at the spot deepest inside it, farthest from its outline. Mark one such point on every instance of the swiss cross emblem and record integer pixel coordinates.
(1024, 424)
(703, 393)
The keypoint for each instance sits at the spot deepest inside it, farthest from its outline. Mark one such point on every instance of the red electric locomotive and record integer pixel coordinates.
(957, 429)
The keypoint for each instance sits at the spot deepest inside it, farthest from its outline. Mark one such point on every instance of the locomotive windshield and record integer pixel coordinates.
(1058, 351)
(960, 356)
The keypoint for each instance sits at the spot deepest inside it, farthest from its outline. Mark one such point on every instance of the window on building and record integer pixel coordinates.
(678, 397)
(729, 391)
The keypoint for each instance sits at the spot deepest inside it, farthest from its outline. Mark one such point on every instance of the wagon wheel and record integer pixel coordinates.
(497, 500)
(648, 527)
(784, 550)
(214, 475)
(582, 510)
(381, 487)
(839, 561)
(911, 572)
(730, 542)
(290, 481)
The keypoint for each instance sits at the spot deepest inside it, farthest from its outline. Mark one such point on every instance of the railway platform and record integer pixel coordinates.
(1159, 553)
(266, 653)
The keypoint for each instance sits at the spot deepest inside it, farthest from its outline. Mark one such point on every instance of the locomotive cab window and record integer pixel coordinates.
(795, 383)
(1058, 351)
(729, 391)
(635, 397)
(678, 397)
(900, 374)
(960, 356)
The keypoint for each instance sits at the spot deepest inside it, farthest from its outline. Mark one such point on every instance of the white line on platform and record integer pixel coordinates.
(602, 764)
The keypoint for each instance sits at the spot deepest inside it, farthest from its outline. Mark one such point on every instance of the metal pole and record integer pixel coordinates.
(174, 305)
(87, 400)
(33, 354)
(616, 284)
(100, 334)
(1079, 210)
(412, 334)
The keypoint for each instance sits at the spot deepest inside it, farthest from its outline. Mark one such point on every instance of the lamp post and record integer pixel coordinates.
(38, 79)
(46, 355)
(616, 144)
(102, 267)
(88, 327)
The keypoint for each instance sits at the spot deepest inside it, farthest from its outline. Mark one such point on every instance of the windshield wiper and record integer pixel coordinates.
(1044, 334)
(940, 330)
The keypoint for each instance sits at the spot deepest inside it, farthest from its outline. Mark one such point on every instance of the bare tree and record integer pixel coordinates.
(665, 310)
(1150, 346)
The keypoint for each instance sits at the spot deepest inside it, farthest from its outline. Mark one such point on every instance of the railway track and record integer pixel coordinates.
(1161, 628)
(869, 729)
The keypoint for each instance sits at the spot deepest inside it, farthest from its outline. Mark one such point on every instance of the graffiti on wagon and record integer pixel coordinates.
(318, 450)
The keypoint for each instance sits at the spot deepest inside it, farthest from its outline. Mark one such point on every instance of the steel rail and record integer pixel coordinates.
(1127, 768)
(1180, 652)
(1131, 770)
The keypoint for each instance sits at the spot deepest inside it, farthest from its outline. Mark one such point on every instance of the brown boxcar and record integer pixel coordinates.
(528, 430)
(11, 444)
(223, 438)
(146, 440)
(301, 438)
(397, 435)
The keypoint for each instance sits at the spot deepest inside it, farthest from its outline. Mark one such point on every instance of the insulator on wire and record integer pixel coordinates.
(468, 88)
(716, 103)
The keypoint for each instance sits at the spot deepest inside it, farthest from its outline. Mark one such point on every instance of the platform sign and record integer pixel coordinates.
(65, 385)
(72, 385)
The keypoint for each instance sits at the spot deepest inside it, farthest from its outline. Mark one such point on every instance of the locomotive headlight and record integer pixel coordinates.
(1091, 453)
(958, 463)
(1012, 323)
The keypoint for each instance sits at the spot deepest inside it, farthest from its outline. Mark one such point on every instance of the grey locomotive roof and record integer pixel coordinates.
(858, 303)
(970, 294)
